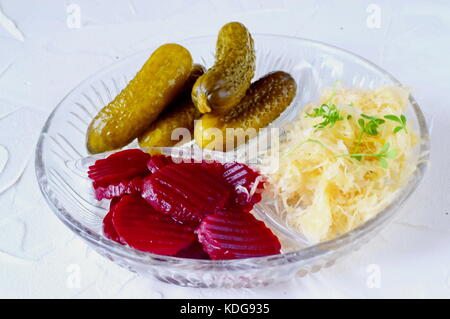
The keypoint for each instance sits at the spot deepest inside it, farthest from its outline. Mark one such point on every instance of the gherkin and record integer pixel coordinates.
(181, 113)
(130, 113)
(225, 84)
(265, 100)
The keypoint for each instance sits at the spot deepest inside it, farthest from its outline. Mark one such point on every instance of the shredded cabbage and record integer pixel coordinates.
(326, 193)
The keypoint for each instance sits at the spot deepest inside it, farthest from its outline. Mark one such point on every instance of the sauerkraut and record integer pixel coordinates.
(324, 190)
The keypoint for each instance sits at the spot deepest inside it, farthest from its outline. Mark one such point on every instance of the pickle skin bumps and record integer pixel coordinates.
(132, 111)
(265, 100)
(225, 84)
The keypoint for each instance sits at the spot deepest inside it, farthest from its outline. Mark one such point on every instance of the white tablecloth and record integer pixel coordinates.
(47, 47)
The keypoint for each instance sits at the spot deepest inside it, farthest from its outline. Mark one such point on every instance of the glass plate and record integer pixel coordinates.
(314, 65)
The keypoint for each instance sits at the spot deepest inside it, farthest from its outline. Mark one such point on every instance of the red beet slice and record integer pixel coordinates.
(215, 168)
(235, 234)
(243, 178)
(143, 228)
(194, 251)
(108, 227)
(119, 189)
(187, 191)
(158, 161)
(119, 167)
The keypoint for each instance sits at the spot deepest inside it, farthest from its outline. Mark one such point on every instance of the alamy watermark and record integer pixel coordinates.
(228, 145)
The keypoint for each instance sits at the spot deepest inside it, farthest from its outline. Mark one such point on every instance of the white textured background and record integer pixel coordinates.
(44, 52)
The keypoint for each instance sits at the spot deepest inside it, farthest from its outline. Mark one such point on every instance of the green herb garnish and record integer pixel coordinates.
(401, 120)
(330, 115)
(371, 126)
(383, 155)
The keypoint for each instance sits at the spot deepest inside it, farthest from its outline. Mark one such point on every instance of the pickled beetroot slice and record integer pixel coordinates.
(194, 251)
(143, 228)
(236, 234)
(119, 189)
(187, 191)
(119, 167)
(108, 227)
(158, 161)
(243, 179)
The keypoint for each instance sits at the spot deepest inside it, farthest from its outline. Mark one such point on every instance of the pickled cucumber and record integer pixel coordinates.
(181, 113)
(265, 100)
(126, 117)
(225, 84)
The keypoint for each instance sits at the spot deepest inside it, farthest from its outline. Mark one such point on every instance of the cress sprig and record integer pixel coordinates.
(329, 113)
(401, 120)
(383, 155)
(368, 125)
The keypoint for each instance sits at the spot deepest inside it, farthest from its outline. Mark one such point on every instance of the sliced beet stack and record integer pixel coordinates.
(236, 234)
(108, 228)
(197, 210)
(243, 179)
(194, 251)
(119, 173)
(158, 161)
(140, 226)
(119, 189)
(187, 192)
